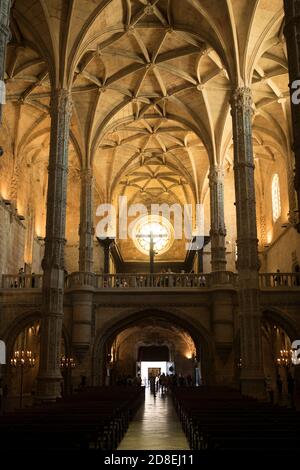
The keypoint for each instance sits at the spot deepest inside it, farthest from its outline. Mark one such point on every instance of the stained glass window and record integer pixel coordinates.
(276, 201)
(159, 234)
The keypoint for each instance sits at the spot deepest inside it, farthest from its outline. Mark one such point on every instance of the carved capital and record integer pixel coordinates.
(86, 175)
(61, 103)
(242, 99)
(216, 175)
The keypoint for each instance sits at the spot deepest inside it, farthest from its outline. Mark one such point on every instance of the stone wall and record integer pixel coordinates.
(37, 256)
(12, 240)
(284, 252)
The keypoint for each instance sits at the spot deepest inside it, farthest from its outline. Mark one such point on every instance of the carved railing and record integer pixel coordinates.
(21, 281)
(142, 281)
(279, 280)
(80, 279)
(223, 277)
(154, 281)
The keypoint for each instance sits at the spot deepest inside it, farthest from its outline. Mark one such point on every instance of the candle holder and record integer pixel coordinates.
(22, 359)
(67, 362)
(285, 358)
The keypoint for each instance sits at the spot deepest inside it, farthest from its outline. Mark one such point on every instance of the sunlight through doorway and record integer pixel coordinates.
(149, 368)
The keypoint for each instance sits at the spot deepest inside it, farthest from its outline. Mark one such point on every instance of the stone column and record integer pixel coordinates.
(82, 298)
(252, 376)
(107, 244)
(86, 227)
(218, 230)
(4, 38)
(292, 34)
(222, 324)
(49, 376)
(82, 340)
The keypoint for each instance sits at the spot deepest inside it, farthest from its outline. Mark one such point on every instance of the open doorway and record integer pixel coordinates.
(152, 338)
(152, 369)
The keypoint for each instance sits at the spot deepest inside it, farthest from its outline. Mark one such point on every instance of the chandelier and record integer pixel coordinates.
(67, 362)
(285, 358)
(23, 359)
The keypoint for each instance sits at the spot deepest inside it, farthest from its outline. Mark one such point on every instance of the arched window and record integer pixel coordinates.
(276, 201)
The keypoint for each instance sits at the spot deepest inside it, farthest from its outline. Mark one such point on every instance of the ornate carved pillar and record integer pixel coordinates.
(252, 376)
(86, 227)
(292, 34)
(4, 38)
(82, 301)
(49, 376)
(218, 230)
(83, 298)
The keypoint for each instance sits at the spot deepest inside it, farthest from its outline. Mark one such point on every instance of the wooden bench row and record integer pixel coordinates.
(221, 418)
(96, 418)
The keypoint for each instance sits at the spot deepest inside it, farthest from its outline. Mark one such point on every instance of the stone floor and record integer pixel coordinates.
(155, 426)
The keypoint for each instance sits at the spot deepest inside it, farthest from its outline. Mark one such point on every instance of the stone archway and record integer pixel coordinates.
(201, 337)
(10, 336)
(278, 333)
(280, 318)
(21, 322)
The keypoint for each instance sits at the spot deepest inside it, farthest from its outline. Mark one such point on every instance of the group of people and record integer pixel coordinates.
(166, 278)
(164, 383)
(20, 281)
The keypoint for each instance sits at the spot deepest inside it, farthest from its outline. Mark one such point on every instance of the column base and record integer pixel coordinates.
(49, 388)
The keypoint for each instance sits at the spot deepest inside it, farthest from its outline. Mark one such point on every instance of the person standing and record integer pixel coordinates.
(269, 388)
(21, 278)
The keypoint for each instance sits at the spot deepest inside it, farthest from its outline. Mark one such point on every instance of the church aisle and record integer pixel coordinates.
(155, 426)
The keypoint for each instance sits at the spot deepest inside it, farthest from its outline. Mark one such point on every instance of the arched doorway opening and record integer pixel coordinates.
(23, 355)
(184, 349)
(277, 337)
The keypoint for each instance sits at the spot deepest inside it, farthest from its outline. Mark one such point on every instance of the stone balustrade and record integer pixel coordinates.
(162, 280)
(22, 281)
(81, 280)
(279, 280)
(153, 281)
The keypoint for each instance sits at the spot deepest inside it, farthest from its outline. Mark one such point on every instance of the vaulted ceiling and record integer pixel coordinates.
(151, 83)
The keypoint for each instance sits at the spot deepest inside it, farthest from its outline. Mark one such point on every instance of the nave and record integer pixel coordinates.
(156, 426)
(209, 418)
